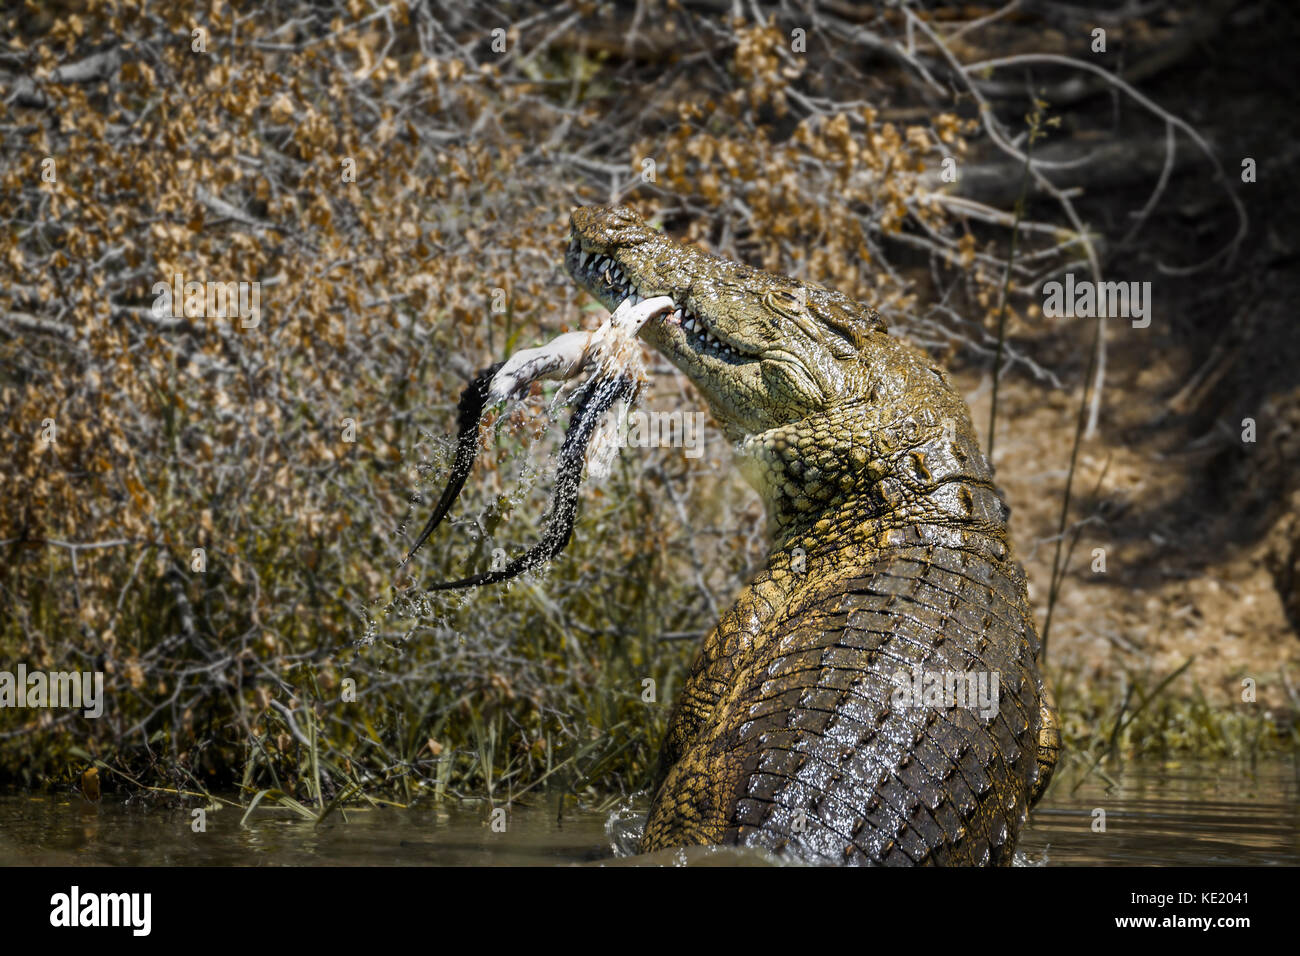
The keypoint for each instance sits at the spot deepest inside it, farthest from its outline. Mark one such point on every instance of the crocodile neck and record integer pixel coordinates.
(840, 486)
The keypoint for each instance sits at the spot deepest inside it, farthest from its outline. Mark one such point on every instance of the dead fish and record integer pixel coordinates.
(612, 348)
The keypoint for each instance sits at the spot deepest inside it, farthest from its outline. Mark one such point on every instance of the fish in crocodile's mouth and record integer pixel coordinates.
(763, 349)
(605, 278)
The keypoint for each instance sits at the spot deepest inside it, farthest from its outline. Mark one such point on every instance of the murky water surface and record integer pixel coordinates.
(1155, 815)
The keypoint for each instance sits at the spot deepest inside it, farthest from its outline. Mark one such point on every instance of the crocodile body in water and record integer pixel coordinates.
(874, 694)
(818, 717)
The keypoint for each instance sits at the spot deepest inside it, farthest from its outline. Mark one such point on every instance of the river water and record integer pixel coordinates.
(1154, 815)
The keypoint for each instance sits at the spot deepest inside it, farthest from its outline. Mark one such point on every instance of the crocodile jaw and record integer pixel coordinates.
(728, 377)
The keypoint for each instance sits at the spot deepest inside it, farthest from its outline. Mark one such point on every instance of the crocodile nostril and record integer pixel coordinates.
(623, 216)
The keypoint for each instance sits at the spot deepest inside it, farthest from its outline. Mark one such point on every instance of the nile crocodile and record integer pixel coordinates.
(814, 721)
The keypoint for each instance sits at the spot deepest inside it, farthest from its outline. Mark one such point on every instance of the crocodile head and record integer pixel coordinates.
(763, 349)
(822, 402)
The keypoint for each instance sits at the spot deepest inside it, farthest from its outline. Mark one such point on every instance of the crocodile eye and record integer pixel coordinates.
(785, 302)
(795, 308)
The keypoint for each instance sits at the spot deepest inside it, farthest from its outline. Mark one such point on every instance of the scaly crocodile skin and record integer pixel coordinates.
(889, 556)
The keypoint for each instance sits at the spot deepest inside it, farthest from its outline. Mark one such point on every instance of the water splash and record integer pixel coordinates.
(1021, 858)
(624, 825)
